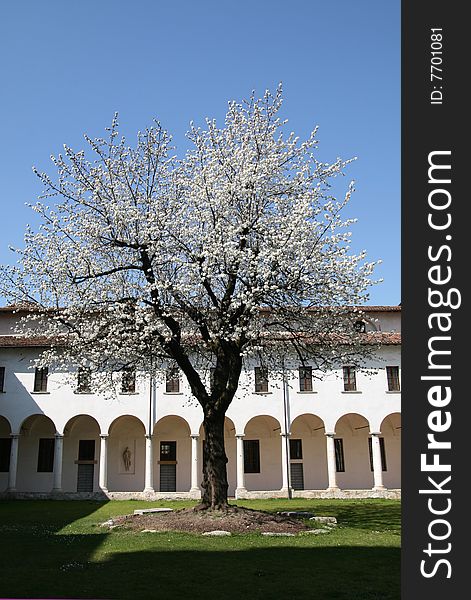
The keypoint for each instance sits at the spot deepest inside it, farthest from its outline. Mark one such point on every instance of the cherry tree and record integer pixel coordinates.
(237, 250)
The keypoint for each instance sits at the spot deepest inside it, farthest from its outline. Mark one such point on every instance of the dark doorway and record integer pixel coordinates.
(86, 465)
(168, 466)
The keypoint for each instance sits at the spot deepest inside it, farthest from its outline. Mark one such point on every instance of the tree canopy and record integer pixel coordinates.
(237, 248)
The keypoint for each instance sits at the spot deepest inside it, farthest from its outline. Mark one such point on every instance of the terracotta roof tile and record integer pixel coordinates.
(16, 341)
(13, 341)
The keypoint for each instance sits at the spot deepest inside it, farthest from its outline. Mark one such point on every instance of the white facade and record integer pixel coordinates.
(113, 447)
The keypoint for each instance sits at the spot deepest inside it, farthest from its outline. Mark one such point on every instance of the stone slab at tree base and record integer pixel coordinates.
(144, 511)
(248, 495)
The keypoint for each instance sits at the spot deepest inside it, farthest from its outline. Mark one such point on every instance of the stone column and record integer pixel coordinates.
(103, 474)
(149, 477)
(13, 462)
(377, 466)
(285, 461)
(331, 466)
(240, 489)
(194, 463)
(58, 451)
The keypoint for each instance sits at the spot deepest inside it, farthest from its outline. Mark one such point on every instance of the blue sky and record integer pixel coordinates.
(68, 66)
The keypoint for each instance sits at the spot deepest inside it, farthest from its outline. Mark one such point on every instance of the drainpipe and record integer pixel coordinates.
(285, 417)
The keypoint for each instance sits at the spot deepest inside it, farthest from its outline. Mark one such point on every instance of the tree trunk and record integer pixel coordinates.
(214, 463)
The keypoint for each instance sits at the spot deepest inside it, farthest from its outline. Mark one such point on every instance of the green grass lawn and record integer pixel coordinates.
(56, 549)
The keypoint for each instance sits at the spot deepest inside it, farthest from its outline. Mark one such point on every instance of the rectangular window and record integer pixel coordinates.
(261, 379)
(339, 456)
(168, 451)
(86, 450)
(2, 379)
(393, 379)
(305, 379)
(40, 379)
(349, 379)
(46, 455)
(296, 449)
(5, 448)
(382, 450)
(251, 456)
(84, 380)
(172, 382)
(128, 381)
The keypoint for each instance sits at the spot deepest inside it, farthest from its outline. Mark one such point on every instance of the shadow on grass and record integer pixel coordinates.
(56, 550)
(343, 573)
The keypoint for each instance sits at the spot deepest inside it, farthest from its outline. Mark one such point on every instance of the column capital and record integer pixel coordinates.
(240, 436)
(329, 434)
(375, 433)
(104, 436)
(283, 434)
(194, 436)
(15, 436)
(149, 436)
(59, 436)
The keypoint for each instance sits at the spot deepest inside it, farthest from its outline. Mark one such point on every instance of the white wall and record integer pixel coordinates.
(175, 416)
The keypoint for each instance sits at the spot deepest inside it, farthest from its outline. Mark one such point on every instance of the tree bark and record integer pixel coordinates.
(214, 462)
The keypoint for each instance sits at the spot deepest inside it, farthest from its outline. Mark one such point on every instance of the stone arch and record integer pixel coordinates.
(266, 430)
(33, 475)
(354, 430)
(126, 454)
(172, 433)
(309, 429)
(80, 420)
(172, 423)
(5, 427)
(391, 432)
(80, 430)
(267, 424)
(35, 421)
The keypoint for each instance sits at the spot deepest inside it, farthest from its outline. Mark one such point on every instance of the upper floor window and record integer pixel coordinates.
(40, 379)
(128, 381)
(84, 380)
(305, 379)
(261, 379)
(392, 374)
(2, 379)
(349, 379)
(360, 326)
(172, 382)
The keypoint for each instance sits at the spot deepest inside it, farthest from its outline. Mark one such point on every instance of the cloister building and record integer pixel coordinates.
(334, 436)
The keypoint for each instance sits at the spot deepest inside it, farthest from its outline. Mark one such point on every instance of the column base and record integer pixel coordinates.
(334, 488)
(103, 489)
(195, 490)
(379, 488)
(148, 490)
(57, 490)
(240, 492)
